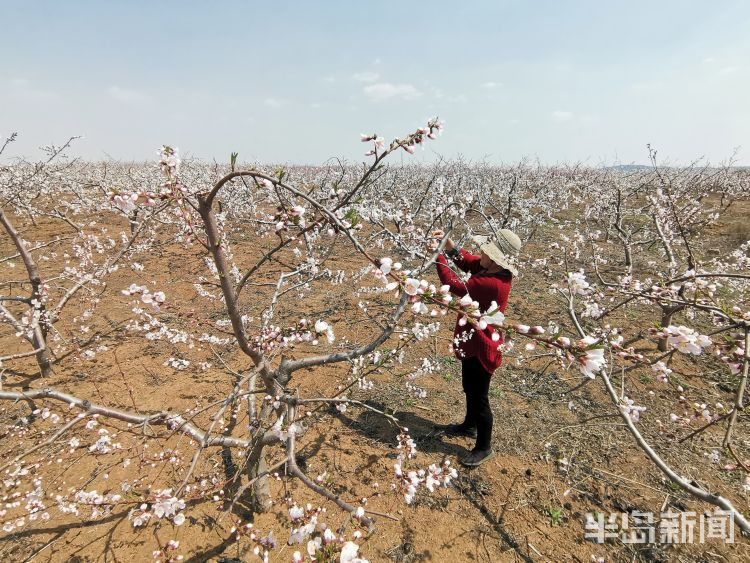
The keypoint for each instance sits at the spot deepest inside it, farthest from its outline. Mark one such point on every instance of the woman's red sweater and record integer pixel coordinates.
(483, 288)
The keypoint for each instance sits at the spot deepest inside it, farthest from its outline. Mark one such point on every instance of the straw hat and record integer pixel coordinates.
(503, 250)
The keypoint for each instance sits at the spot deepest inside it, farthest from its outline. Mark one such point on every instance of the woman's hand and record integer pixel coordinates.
(437, 236)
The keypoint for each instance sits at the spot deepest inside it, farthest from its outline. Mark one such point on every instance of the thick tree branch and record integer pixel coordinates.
(173, 421)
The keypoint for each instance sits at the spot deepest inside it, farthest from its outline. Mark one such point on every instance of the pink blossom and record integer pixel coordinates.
(686, 340)
(593, 361)
(577, 283)
(385, 265)
(419, 308)
(411, 286)
(628, 407)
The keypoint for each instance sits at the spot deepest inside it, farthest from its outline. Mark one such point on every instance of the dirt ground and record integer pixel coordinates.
(560, 454)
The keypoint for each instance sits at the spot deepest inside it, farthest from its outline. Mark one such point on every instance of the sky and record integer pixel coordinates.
(298, 81)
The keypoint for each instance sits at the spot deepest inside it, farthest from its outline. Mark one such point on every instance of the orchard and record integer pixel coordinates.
(245, 359)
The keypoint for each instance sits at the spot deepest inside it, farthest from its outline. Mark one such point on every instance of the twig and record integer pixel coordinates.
(297, 472)
(48, 442)
(705, 427)
(739, 400)
(737, 458)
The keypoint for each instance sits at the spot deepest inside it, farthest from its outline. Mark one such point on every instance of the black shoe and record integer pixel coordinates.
(477, 457)
(458, 430)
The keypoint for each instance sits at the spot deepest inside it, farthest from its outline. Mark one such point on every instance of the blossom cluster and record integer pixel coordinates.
(421, 292)
(321, 543)
(169, 159)
(168, 554)
(430, 131)
(409, 481)
(593, 360)
(154, 329)
(163, 505)
(326, 545)
(697, 411)
(577, 283)
(100, 504)
(732, 351)
(305, 521)
(685, 339)
(662, 371)
(275, 337)
(169, 162)
(284, 217)
(128, 201)
(377, 142)
(409, 143)
(629, 407)
(155, 299)
(263, 544)
(180, 364)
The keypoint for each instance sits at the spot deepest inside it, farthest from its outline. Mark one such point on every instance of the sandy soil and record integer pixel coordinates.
(559, 456)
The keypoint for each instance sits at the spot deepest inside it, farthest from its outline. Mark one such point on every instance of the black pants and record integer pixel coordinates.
(476, 383)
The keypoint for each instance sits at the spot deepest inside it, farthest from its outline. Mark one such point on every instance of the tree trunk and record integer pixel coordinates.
(628, 256)
(43, 359)
(39, 338)
(261, 490)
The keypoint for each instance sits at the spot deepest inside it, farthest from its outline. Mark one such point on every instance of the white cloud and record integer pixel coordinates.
(561, 116)
(490, 85)
(385, 90)
(273, 102)
(366, 76)
(127, 96)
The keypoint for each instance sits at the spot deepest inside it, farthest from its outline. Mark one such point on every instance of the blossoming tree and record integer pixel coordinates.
(322, 274)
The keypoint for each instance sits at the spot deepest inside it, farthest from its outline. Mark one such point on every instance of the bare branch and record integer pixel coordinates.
(173, 421)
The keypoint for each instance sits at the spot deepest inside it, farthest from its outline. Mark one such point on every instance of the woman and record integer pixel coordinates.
(491, 277)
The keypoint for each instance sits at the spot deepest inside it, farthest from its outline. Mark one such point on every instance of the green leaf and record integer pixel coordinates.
(352, 216)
